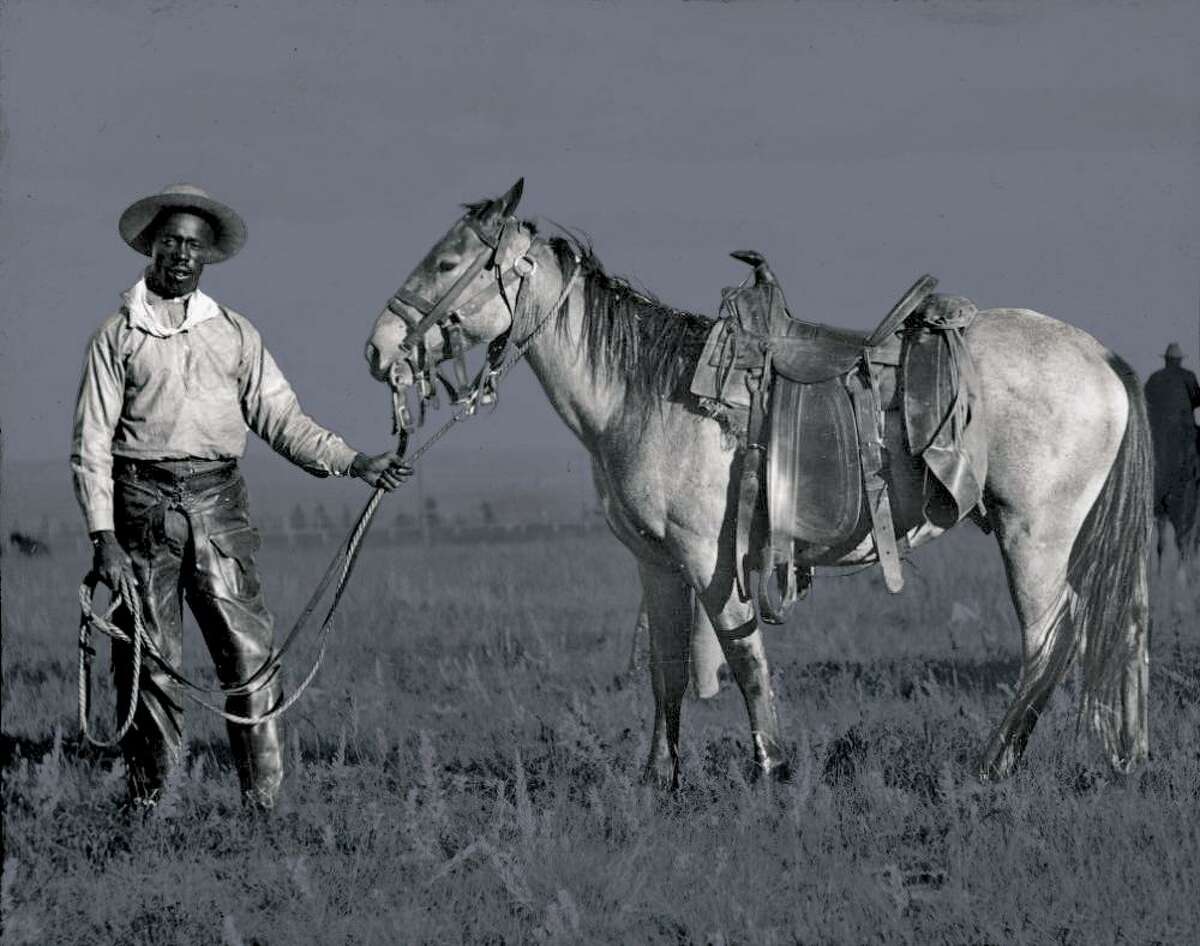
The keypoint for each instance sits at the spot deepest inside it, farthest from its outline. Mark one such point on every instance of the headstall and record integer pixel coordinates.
(446, 314)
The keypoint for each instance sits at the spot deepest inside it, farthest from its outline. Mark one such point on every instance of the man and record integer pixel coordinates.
(1172, 394)
(170, 384)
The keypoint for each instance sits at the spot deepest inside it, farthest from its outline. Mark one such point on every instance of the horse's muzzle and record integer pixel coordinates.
(385, 347)
(393, 369)
(375, 364)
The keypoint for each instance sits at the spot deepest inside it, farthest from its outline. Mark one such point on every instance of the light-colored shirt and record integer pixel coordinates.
(161, 383)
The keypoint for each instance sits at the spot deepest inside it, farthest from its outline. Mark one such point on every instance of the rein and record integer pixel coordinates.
(342, 564)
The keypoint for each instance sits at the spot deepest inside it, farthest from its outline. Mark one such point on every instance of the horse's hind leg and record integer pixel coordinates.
(668, 603)
(1035, 557)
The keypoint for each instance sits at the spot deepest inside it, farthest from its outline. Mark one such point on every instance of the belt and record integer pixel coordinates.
(194, 474)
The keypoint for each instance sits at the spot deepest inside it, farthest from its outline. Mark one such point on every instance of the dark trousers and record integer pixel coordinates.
(187, 528)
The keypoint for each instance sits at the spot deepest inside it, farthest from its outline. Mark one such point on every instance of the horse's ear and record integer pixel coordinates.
(510, 200)
(496, 209)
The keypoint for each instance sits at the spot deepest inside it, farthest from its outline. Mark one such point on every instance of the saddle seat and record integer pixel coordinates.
(805, 352)
(811, 396)
(808, 353)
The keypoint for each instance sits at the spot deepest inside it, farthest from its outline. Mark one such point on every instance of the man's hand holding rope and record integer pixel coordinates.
(385, 471)
(110, 562)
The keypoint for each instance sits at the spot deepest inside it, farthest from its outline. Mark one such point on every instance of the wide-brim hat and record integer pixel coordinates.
(1173, 351)
(137, 222)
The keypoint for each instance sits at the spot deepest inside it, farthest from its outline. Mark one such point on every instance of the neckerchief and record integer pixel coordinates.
(199, 308)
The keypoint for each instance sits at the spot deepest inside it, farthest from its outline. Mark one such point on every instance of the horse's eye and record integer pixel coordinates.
(447, 265)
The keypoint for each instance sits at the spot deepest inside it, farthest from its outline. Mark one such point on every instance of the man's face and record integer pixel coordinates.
(180, 247)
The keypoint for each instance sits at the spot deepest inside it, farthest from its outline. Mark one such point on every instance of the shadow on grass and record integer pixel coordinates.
(903, 677)
(14, 749)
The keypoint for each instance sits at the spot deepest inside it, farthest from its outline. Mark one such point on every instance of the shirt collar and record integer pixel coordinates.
(198, 307)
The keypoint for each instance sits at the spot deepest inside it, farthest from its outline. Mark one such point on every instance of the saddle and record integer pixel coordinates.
(811, 399)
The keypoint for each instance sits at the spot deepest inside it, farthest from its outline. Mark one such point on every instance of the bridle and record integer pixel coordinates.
(446, 315)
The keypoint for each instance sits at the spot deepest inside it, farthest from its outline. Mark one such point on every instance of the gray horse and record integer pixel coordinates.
(1068, 485)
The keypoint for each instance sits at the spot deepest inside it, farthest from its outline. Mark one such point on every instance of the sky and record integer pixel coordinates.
(1027, 154)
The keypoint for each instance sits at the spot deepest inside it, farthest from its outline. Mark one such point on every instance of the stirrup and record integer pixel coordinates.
(793, 582)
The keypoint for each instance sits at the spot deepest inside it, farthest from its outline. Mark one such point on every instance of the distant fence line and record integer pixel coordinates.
(276, 533)
(443, 534)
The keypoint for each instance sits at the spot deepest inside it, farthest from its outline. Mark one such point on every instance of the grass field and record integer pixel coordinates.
(465, 770)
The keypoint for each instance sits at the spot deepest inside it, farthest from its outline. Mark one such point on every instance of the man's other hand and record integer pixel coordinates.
(110, 561)
(385, 471)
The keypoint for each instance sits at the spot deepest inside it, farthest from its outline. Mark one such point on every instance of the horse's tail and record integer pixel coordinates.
(1109, 572)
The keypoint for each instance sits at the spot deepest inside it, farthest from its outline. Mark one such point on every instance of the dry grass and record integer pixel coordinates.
(465, 770)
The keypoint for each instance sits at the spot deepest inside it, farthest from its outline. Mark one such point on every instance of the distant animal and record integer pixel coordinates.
(27, 545)
(1067, 489)
(1172, 395)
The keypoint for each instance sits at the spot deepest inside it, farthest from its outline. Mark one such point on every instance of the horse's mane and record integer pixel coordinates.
(628, 332)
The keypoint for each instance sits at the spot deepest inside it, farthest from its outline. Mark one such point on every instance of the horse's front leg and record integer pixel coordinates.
(668, 605)
(742, 642)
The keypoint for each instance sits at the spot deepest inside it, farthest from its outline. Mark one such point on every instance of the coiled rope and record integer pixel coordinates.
(86, 622)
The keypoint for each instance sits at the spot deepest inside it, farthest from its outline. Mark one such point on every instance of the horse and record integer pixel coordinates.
(27, 545)
(1067, 491)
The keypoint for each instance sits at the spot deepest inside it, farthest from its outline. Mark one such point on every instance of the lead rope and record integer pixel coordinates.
(86, 622)
(346, 555)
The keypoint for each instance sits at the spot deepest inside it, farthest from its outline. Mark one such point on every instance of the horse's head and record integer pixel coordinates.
(462, 293)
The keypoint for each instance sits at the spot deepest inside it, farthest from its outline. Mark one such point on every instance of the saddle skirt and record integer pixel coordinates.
(811, 399)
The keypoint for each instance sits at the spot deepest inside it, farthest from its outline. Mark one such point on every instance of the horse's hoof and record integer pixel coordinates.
(1000, 759)
(778, 772)
(994, 770)
(769, 759)
(663, 779)
(1129, 763)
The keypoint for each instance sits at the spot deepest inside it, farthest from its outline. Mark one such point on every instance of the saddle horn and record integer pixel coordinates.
(762, 272)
